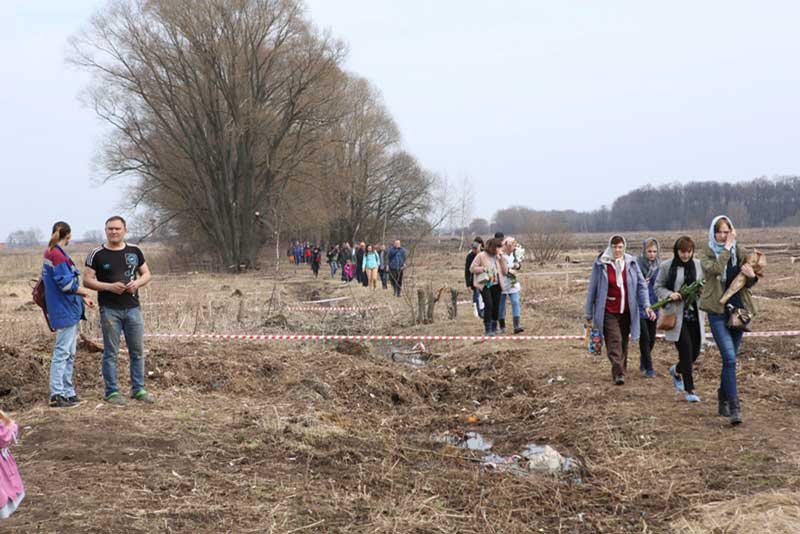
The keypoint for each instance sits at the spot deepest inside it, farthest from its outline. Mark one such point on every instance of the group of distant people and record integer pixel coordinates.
(490, 273)
(623, 287)
(363, 263)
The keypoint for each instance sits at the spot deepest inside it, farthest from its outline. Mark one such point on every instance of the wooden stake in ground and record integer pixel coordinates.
(452, 308)
(421, 305)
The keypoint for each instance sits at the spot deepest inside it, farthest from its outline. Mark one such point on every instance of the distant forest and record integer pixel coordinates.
(761, 202)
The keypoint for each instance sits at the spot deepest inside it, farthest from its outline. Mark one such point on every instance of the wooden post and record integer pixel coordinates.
(421, 306)
(452, 310)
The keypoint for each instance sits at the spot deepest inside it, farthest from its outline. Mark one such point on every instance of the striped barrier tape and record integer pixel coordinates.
(379, 337)
(336, 337)
(334, 308)
(324, 300)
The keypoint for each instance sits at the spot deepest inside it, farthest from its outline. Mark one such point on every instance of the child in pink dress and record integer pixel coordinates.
(349, 270)
(11, 490)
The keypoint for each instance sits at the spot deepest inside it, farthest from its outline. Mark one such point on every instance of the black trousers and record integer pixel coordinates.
(384, 274)
(491, 303)
(688, 345)
(647, 340)
(396, 278)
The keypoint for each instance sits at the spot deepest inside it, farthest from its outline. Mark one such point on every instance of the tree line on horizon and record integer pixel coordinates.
(761, 202)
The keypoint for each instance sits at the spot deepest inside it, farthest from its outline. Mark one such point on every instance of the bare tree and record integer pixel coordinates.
(374, 185)
(24, 238)
(93, 236)
(479, 226)
(215, 106)
(465, 199)
(546, 237)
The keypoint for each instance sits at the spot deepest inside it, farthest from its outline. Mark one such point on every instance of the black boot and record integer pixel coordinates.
(494, 328)
(722, 402)
(736, 416)
(517, 328)
(502, 326)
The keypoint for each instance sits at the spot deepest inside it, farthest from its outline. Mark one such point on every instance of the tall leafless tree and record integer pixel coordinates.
(215, 105)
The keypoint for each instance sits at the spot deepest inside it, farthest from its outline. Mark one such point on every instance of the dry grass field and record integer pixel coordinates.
(286, 436)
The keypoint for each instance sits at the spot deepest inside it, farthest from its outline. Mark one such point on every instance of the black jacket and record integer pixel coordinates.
(467, 274)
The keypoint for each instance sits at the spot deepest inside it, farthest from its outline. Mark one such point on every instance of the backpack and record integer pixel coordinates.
(38, 297)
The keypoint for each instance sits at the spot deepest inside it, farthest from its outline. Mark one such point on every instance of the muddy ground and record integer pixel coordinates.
(338, 437)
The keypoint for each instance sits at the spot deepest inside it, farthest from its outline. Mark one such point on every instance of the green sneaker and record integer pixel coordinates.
(116, 399)
(143, 396)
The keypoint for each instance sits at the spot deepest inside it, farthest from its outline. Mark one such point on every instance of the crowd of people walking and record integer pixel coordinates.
(623, 289)
(490, 273)
(366, 264)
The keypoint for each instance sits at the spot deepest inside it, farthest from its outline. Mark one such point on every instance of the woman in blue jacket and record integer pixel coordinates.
(616, 290)
(65, 300)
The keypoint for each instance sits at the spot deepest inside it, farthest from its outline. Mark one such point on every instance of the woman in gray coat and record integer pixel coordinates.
(616, 291)
(688, 333)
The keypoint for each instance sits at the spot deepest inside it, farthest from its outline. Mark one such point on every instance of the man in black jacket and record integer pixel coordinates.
(360, 275)
(477, 246)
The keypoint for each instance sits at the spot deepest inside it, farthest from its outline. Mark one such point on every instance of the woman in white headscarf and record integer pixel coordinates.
(722, 260)
(616, 290)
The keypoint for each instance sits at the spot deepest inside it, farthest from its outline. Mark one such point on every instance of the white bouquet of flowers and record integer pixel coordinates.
(519, 256)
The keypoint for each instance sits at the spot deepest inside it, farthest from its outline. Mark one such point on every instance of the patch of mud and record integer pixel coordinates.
(352, 348)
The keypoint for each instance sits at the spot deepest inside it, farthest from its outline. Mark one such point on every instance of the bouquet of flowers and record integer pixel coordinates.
(519, 255)
(689, 293)
(758, 260)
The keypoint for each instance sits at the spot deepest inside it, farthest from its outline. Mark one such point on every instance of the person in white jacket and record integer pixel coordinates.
(511, 290)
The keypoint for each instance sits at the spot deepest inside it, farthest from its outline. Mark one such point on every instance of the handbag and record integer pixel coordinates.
(666, 321)
(37, 294)
(739, 319)
(482, 277)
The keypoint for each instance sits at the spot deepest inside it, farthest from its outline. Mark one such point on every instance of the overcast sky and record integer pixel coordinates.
(546, 104)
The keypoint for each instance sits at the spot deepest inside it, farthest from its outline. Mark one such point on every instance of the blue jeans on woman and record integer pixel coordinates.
(61, 365)
(334, 266)
(728, 342)
(516, 310)
(115, 322)
(476, 300)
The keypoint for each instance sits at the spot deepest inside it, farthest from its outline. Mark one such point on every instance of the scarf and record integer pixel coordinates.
(607, 256)
(717, 248)
(649, 267)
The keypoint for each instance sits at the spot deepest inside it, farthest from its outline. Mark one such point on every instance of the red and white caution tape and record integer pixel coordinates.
(324, 300)
(335, 337)
(334, 308)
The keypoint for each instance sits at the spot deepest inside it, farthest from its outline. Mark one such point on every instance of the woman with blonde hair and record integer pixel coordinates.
(65, 300)
(722, 260)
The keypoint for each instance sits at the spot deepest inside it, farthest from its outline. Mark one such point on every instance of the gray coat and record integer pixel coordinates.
(663, 292)
(636, 292)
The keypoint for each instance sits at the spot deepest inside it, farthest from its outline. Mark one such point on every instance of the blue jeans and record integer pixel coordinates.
(115, 322)
(728, 342)
(476, 300)
(334, 266)
(62, 363)
(516, 310)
